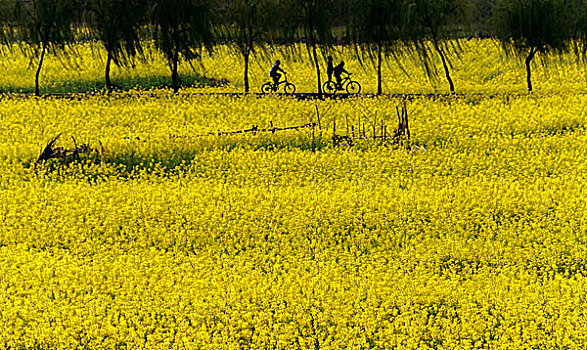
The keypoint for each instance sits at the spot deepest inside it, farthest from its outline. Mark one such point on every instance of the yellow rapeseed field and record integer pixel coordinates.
(480, 67)
(473, 236)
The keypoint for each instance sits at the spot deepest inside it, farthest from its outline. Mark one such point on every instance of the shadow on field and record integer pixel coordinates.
(181, 155)
(121, 84)
(134, 155)
(139, 157)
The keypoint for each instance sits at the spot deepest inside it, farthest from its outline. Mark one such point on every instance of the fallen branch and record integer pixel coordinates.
(66, 155)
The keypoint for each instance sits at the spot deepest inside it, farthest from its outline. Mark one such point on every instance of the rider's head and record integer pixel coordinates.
(278, 62)
(342, 63)
(330, 58)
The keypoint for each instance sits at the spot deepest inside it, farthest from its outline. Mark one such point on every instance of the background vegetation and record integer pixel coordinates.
(383, 30)
(472, 235)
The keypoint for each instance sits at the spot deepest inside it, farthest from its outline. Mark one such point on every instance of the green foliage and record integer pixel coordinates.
(314, 18)
(247, 22)
(377, 21)
(579, 11)
(46, 22)
(434, 18)
(6, 7)
(479, 14)
(117, 24)
(543, 25)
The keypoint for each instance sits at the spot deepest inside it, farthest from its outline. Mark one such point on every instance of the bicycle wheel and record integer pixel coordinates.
(289, 88)
(353, 88)
(329, 87)
(266, 88)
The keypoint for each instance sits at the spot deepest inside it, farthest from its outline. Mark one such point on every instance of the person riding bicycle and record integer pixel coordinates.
(338, 70)
(329, 68)
(274, 73)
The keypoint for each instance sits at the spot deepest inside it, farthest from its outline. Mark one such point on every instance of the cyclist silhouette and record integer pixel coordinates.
(274, 73)
(329, 68)
(338, 70)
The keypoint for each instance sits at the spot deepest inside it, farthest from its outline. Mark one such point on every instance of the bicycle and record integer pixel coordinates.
(269, 87)
(352, 87)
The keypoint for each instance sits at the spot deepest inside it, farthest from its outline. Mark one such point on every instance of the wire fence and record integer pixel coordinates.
(255, 129)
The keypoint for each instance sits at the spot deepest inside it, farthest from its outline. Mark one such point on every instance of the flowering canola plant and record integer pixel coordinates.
(473, 237)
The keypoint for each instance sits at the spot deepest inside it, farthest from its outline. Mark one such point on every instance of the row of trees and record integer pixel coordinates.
(379, 29)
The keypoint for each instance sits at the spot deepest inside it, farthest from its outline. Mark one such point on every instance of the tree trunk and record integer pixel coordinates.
(430, 25)
(445, 66)
(314, 50)
(174, 75)
(247, 87)
(379, 58)
(315, 54)
(38, 73)
(442, 58)
(528, 70)
(380, 24)
(107, 74)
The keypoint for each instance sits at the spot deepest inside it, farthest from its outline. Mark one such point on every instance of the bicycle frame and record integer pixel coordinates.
(270, 86)
(346, 83)
(284, 81)
(345, 80)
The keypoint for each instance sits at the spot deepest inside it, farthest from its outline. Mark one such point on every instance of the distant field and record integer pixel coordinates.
(481, 67)
(472, 236)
